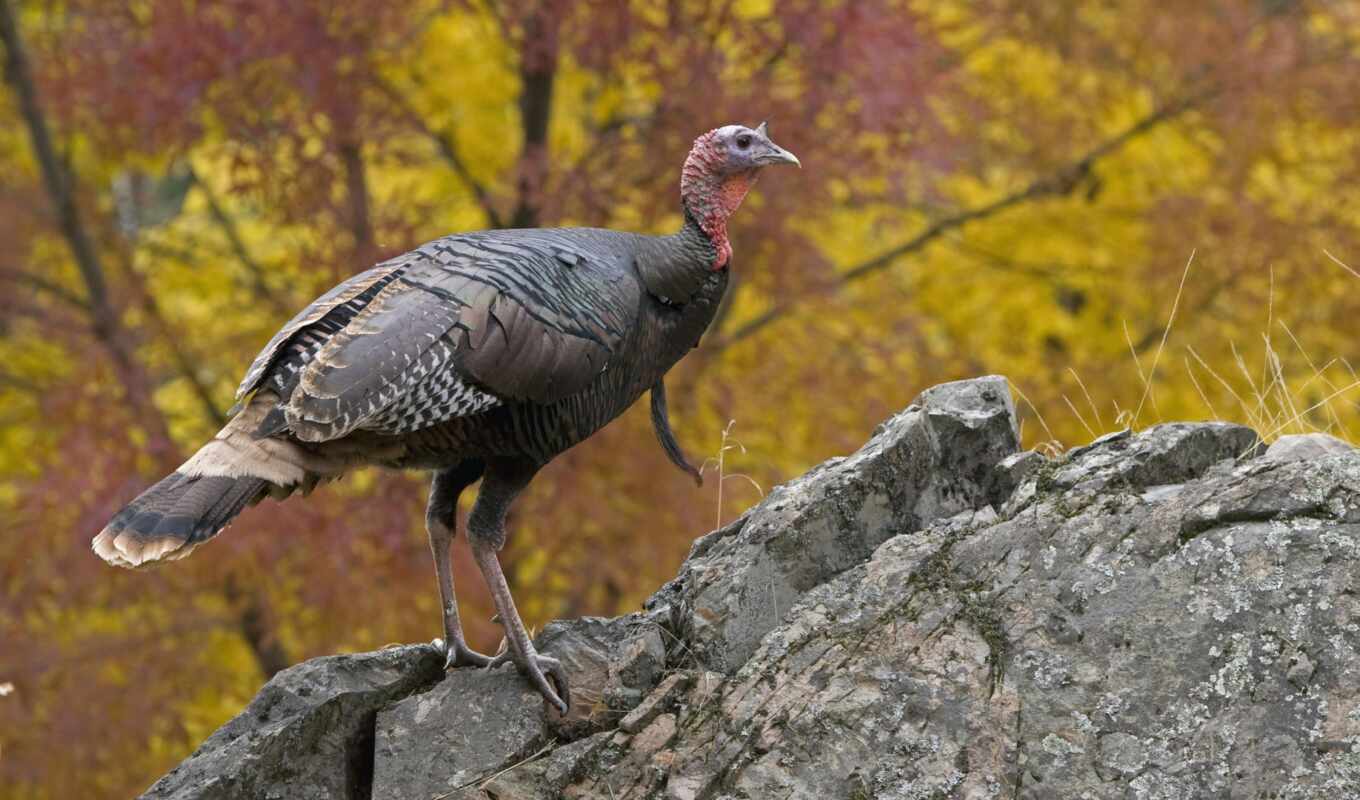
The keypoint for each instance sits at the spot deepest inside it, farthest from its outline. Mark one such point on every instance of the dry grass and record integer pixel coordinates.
(718, 463)
(1289, 392)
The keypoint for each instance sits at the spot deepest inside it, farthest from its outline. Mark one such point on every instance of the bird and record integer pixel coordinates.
(476, 356)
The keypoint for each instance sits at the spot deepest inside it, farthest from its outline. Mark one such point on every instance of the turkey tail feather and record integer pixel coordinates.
(174, 516)
(190, 505)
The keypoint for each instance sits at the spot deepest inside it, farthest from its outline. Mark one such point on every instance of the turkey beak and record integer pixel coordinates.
(774, 154)
(778, 155)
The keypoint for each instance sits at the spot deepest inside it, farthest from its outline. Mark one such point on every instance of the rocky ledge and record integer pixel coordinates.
(1164, 614)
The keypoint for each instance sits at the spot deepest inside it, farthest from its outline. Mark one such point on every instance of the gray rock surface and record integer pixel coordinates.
(467, 726)
(307, 734)
(1305, 446)
(613, 664)
(1163, 615)
(933, 460)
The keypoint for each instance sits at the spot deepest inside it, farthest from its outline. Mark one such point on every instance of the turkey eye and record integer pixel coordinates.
(743, 141)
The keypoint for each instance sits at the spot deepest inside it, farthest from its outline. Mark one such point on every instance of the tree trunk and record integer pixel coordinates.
(107, 324)
(60, 186)
(538, 68)
(356, 190)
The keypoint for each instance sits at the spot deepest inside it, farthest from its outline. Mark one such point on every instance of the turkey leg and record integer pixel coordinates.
(441, 517)
(486, 531)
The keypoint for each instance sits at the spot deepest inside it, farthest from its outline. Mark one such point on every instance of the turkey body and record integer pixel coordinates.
(547, 336)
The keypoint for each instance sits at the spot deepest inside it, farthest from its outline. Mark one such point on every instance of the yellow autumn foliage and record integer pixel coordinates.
(1135, 218)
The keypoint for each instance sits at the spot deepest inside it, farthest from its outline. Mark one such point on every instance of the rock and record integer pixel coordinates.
(933, 460)
(567, 762)
(1161, 614)
(1306, 446)
(656, 735)
(542, 775)
(1196, 641)
(476, 723)
(1017, 469)
(613, 664)
(472, 724)
(1162, 455)
(1122, 756)
(665, 694)
(307, 734)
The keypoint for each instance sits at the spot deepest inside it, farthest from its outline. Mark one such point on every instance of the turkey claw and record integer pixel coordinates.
(545, 673)
(460, 655)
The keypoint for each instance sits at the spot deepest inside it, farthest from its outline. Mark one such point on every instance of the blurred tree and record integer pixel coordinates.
(997, 186)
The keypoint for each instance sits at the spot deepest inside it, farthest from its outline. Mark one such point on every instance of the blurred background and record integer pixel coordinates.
(1137, 211)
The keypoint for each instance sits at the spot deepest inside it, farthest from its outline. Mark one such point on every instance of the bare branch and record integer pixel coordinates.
(60, 186)
(537, 66)
(445, 142)
(253, 268)
(55, 177)
(1061, 183)
(252, 620)
(11, 381)
(184, 362)
(46, 286)
(448, 149)
(493, 8)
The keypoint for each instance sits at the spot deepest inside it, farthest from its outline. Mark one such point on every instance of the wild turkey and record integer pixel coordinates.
(479, 355)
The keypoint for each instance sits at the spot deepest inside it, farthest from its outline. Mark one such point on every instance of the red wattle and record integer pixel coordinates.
(711, 194)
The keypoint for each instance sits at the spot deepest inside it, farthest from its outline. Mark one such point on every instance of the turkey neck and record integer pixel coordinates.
(676, 268)
(684, 292)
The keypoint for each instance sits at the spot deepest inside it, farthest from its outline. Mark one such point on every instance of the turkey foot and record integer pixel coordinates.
(544, 672)
(458, 654)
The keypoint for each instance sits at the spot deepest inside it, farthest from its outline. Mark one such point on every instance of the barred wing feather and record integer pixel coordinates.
(466, 323)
